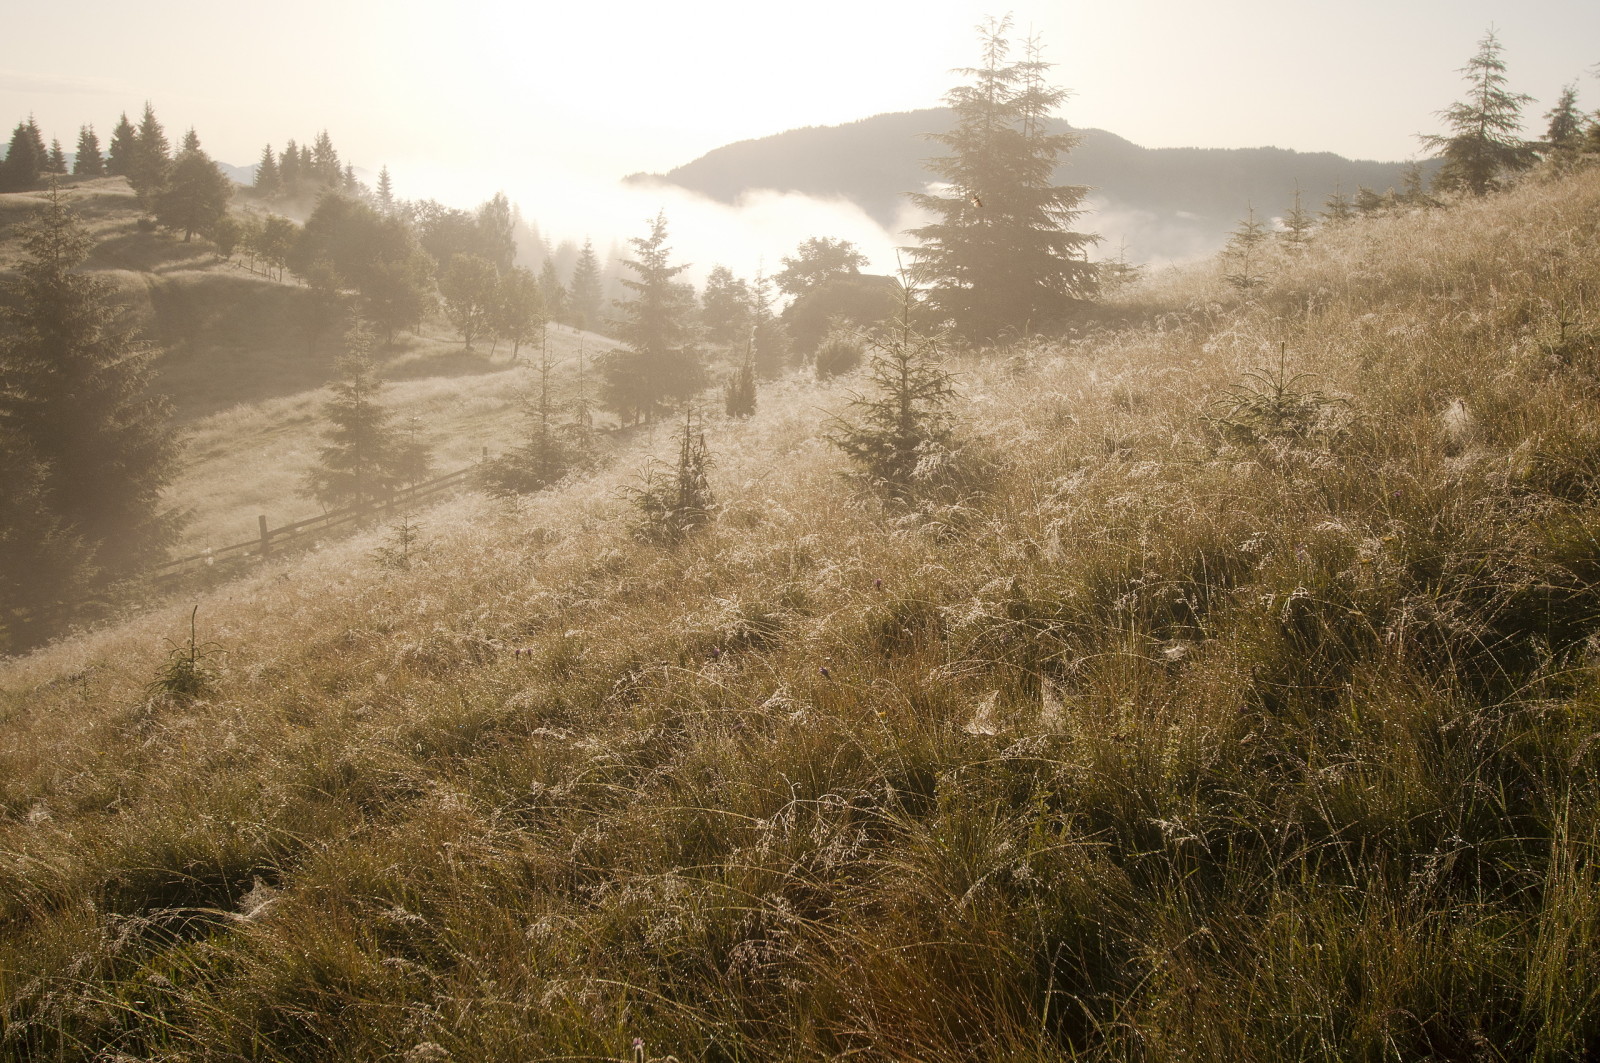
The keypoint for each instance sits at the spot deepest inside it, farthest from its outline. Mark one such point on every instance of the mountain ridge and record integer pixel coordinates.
(1168, 203)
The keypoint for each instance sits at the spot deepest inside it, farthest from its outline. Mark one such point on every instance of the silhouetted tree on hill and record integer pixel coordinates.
(124, 146)
(1483, 139)
(25, 159)
(147, 169)
(1001, 254)
(88, 162)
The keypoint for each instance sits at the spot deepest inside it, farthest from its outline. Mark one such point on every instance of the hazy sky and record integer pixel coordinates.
(460, 99)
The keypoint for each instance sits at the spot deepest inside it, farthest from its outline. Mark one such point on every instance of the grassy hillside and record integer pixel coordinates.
(245, 359)
(1249, 715)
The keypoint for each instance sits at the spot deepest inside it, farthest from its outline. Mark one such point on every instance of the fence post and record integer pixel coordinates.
(265, 535)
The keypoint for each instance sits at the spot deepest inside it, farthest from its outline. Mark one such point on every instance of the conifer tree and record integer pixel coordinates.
(1337, 207)
(58, 158)
(23, 162)
(659, 363)
(547, 454)
(385, 191)
(190, 142)
(75, 388)
(739, 394)
(1243, 257)
(268, 181)
(905, 420)
(586, 297)
(148, 168)
(289, 171)
(1001, 255)
(88, 162)
(1483, 140)
(124, 146)
(325, 169)
(674, 506)
(366, 457)
(42, 562)
(1297, 226)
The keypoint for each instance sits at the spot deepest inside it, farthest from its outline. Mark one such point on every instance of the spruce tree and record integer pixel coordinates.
(586, 297)
(58, 159)
(674, 506)
(547, 454)
(1297, 226)
(147, 170)
(366, 457)
(43, 563)
(268, 181)
(385, 191)
(289, 172)
(124, 146)
(325, 169)
(659, 363)
(75, 386)
(1337, 208)
(23, 162)
(1483, 140)
(1001, 255)
(894, 431)
(88, 163)
(769, 338)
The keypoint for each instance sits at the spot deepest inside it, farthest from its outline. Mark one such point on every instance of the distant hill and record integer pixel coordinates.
(1168, 203)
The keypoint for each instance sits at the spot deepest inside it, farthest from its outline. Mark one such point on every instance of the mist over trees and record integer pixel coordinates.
(659, 364)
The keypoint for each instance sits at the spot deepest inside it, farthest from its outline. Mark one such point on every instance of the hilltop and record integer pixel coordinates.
(1170, 203)
(1247, 712)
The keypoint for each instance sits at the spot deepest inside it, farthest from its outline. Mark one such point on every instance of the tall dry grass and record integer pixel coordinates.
(1248, 715)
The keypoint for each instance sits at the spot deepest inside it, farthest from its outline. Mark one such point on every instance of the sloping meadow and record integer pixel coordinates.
(1249, 713)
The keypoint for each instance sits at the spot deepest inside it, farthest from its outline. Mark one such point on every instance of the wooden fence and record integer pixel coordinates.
(303, 532)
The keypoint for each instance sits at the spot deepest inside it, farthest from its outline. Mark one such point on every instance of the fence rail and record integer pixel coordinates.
(301, 532)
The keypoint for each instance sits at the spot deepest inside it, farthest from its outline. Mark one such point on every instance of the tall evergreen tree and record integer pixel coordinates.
(1337, 207)
(1483, 139)
(385, 191)
(326, 169)
(268, 181)
(289, 171)
(124, 146)
(148, 168)
(88, 162)
(496, 237)
(23, 163)
(75, 385)
(190, 142)
(587, 294)
(1001, 254)
(1243, 258)
(58, 159)
(659, 363)
(1297, 225)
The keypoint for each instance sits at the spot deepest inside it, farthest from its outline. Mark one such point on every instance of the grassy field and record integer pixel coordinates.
(1248, 714)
